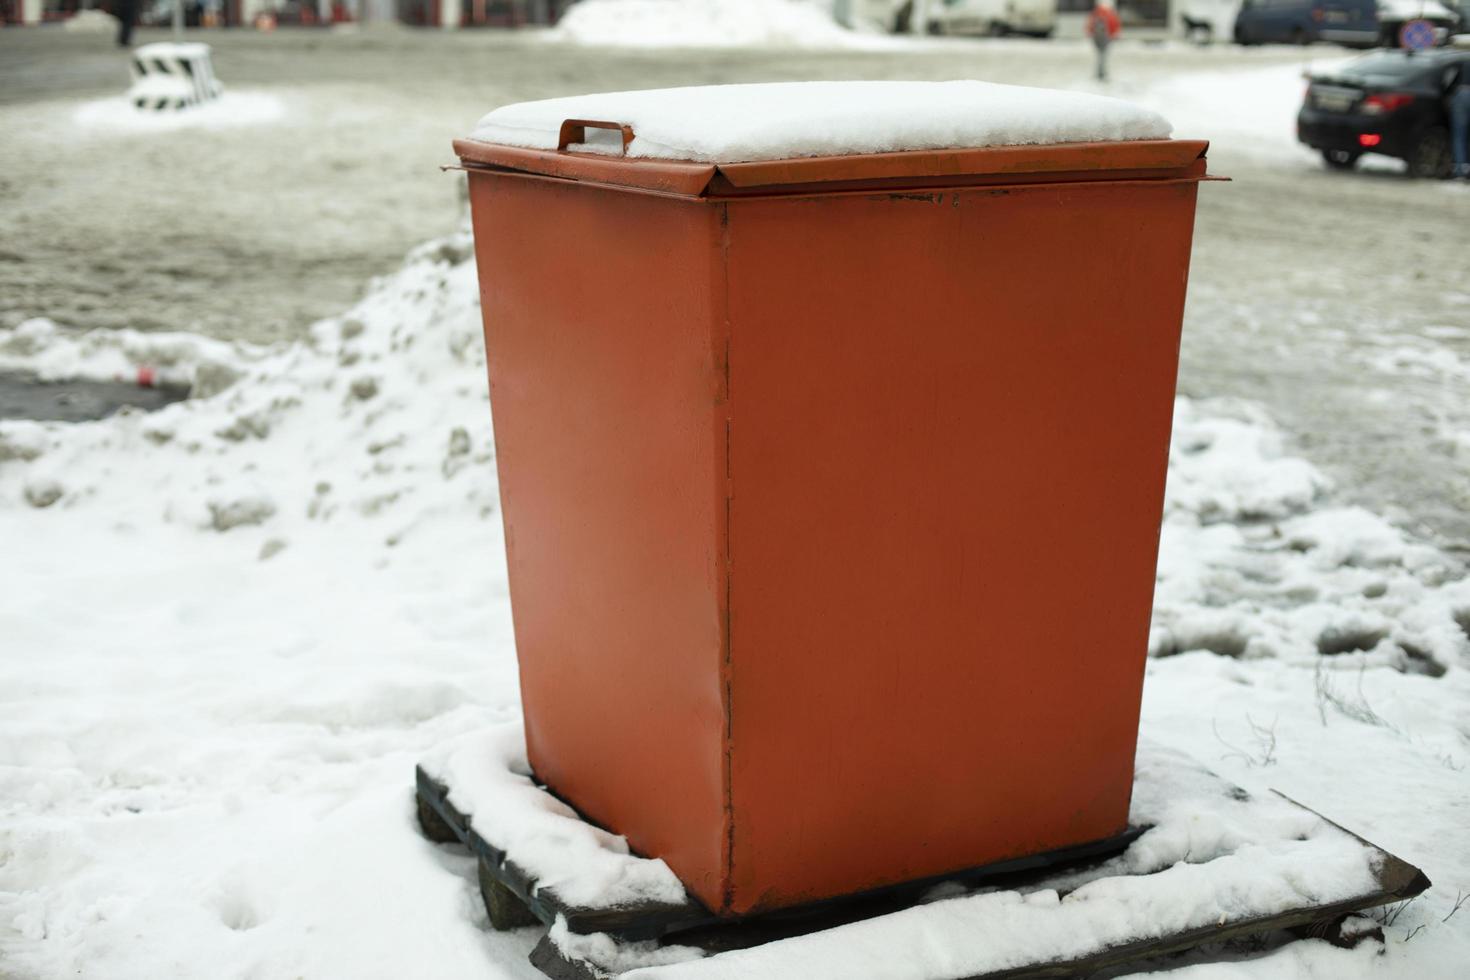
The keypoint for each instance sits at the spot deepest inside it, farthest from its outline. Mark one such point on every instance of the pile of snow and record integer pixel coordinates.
(90, 22)
(204, 365)
(1253, 563)
(228, 631)
(702, 23)
(231, 109)
(230, 628)
(778, 120)
(300, 431)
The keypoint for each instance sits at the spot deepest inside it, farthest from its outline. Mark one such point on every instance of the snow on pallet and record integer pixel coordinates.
(172, 76)
(1203, 861)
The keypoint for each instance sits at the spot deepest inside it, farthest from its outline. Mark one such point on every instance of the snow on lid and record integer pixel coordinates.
(780, 120)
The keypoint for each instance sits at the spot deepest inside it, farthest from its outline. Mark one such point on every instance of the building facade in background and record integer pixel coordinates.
(307, 13)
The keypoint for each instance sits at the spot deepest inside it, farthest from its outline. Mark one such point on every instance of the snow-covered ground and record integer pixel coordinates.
(117, 114)
(228, 629)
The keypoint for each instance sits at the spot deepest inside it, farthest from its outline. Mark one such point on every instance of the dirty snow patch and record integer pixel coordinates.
(54, 353)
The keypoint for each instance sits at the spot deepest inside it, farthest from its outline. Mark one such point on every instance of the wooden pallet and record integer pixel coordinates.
(512, 900)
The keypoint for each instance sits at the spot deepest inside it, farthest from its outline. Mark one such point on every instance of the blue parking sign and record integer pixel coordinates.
(1417, 35)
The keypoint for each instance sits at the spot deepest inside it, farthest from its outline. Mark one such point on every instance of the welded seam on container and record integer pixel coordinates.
(728, 872)
(1008, 187)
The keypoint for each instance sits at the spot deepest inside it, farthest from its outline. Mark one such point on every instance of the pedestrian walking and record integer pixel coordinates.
(1103, 27)
(126, 12)
(1459, 99)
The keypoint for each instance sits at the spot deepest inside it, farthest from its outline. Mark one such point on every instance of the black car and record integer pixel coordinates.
(1389, 102)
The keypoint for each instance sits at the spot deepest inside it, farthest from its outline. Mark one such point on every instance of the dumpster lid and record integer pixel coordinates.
(678, 140)
(781, 120)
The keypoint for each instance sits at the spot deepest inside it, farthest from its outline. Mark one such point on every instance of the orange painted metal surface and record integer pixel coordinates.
(1099, 158)
(1069, 161)
(832, 515)
(668, 176)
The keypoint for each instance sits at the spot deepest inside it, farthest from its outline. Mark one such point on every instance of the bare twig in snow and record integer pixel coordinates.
(1387, 915)
(1264, 737)
(1357, 709)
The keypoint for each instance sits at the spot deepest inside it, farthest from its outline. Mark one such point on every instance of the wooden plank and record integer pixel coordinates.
(630, 922)
(1397, 880)
(1164, 157)
(549, 960)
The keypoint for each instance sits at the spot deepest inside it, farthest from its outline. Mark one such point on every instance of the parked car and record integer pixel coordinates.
(1355, 23)
(1037, 18)
(1351, 22)
(1389, 102)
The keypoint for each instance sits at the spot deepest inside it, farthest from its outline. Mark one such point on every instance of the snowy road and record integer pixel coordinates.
(1342, 302)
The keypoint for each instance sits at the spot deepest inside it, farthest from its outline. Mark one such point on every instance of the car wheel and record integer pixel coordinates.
(1431, 156)
(1340, 159)
(1299, 36)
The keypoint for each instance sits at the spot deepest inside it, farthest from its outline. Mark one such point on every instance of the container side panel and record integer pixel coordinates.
(951, 418)
(606, 381)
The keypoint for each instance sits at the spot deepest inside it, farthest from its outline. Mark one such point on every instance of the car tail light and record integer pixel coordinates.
(1384, 103)
(1369, 139)
(1318, 13)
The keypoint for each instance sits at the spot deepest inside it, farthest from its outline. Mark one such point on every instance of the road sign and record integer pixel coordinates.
(1416, 35)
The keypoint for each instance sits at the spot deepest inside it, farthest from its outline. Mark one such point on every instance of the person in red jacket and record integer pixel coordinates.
(1103, 27)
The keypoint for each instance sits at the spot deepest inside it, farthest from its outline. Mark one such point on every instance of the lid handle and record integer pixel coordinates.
(575, 131)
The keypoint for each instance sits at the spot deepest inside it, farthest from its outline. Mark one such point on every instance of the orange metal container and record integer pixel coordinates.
(832, 492)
